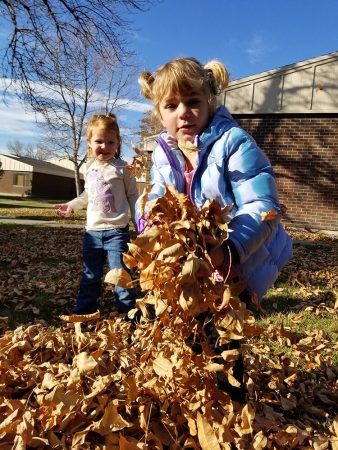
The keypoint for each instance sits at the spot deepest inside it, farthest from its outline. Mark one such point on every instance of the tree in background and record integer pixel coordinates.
(31, 24)
(66, 59)
(71, 87)
(149, 125)
(37, 151)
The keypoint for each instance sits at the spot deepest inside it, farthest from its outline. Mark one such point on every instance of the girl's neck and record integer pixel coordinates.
(189, 151)
(191, 161)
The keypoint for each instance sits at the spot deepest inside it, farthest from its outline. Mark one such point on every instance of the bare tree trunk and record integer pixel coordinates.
(77, 179)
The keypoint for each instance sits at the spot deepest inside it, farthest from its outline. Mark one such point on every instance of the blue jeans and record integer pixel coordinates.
(99, 247)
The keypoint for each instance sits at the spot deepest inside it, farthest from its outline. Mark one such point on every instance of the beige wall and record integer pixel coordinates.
(306, 87)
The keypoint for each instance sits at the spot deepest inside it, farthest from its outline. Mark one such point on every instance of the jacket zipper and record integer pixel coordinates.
(173, 164)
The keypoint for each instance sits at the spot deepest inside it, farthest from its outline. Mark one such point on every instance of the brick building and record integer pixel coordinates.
(292, 112)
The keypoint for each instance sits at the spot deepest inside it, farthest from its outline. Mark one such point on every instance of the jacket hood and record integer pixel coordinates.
(221, 122)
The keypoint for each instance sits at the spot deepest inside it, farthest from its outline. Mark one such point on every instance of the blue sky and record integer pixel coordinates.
(248, 36)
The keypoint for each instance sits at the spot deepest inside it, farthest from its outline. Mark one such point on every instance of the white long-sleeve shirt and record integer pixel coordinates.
(110, 191)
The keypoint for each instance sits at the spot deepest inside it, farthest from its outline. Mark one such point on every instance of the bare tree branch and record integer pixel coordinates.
(71, 87)
(31, 24)
(67, 58)
(29, 150)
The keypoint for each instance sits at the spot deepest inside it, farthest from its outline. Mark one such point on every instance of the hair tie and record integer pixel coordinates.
(211, 81)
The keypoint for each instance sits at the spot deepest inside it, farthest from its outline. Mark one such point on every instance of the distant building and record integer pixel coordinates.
(292, 112)
(66, 163)
(53, 178)
(31, 177)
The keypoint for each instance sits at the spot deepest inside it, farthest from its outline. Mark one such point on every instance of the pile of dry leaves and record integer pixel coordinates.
(116, 384)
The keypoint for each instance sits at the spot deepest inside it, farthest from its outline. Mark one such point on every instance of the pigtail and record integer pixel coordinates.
(89, 153)
(111, 116)
(113, 121)
(146, 80)
(218, 76)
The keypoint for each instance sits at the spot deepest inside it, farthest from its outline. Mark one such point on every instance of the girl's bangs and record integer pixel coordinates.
(176, 85)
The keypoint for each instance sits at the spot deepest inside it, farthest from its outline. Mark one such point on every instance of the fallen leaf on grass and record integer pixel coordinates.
(101, 382)
(206, 435)
(73, 318)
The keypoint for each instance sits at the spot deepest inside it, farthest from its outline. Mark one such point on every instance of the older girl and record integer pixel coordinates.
(204, 153)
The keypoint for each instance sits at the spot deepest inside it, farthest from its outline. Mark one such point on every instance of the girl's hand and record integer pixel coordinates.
(63, 209)
(221, 255)
(216, 252)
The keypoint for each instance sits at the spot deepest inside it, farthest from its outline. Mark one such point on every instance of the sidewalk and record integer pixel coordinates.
(40, 223)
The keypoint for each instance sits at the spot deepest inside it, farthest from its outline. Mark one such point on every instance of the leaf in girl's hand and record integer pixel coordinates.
(269, 215)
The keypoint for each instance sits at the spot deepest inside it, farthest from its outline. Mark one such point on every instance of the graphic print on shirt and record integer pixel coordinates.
(101, 195)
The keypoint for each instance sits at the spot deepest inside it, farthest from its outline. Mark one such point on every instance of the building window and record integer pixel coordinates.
(21, 179)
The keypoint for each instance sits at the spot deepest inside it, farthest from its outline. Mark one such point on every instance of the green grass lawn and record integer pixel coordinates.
(36, 209)
(307, 286)
(27, 202)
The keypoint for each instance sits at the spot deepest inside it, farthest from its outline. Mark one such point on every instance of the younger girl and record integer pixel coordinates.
(110, 191)
(203, 152)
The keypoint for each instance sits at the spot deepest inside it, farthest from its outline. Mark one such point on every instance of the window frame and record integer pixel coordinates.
(24, 175)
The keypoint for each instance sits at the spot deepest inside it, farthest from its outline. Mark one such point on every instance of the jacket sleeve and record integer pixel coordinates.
(79, 202)
(255, 192)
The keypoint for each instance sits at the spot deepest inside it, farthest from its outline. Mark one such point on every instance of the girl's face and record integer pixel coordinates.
(104, 144)
(185, 115)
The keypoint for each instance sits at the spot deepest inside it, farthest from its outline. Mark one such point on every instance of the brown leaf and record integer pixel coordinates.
(260, 441)
(163, 367)
(269, 215)
(85, 363)
(206, 435)
(112, 421)
(118, 277)
(247, 418)
(81, 317)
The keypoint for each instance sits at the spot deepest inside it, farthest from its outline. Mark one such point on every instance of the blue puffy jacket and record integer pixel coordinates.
(231, 169)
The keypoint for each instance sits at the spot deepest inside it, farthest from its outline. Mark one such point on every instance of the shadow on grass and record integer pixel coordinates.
(280, 303)
(41, 311)
(58, 221)
(31, 217)
(45, 311)
(13, 206)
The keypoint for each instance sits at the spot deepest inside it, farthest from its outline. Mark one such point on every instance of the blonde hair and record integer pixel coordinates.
(183, 75)
(107, 122)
